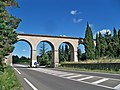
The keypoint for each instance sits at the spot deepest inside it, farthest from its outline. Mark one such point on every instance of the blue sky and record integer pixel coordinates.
(66, 17)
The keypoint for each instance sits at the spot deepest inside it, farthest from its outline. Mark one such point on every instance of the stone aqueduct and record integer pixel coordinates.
(54, 41)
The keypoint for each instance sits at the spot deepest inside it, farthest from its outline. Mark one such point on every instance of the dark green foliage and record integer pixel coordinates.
(94, 66)
(118, 51)
(67, 53)
(8, 80)
(119, 35)
(61, 54)
(64, 53)
(109, 49)
(22, 59)
(8, 24)
(45, 56)
(115, 43)
(108, 45)
(79, 54)
(97, 48)
(89, 43)
(103, 45)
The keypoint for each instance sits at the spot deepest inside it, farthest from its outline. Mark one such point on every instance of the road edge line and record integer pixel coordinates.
(17, 71)
(31, 85)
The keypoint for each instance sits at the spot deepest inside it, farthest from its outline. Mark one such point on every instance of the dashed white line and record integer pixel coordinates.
(101, 80)
(73, 76)
(66, 75)
(33, 87)
(85, 78)
(117, 87)
(17, 71)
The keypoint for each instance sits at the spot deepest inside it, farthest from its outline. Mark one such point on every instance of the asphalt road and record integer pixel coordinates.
(107, 75)
(45, 79)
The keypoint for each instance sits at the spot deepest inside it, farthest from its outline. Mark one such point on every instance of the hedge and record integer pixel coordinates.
(94, 66)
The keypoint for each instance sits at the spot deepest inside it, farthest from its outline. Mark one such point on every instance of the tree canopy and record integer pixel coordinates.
(8, 24)
(89, 43)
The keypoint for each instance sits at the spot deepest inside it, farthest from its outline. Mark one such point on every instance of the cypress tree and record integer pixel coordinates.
(89, 43)
(79, 54)
(115, 43)
(67, 53)
(97, 48)
(118, 52)
(119, 35)
(61, 54)
(103, 45)
(109, 49)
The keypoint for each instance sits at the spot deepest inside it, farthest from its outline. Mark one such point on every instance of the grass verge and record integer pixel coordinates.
(8, 80)
(87, 70)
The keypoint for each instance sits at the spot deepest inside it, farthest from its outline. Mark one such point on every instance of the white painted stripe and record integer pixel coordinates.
(66, 75)
(93, 84)
(20, 65)
(33, 87)
(117, 87)
(73, 76)
(85, 78)
(17, 71)
(101, 80)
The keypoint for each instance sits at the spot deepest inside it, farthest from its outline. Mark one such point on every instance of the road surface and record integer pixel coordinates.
(47, 79)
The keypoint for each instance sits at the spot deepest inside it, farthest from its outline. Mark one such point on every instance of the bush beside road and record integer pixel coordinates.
(8, 80)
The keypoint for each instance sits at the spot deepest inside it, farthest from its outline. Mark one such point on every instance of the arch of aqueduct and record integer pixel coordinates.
(54, 41)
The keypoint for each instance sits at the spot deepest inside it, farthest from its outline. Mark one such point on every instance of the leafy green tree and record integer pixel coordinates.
(43, 49)
(49, 57)
(8, 24)
(118, 52)
(89, 43)
(97, 48)
(61, 54)
(109, 49)
(42, 53)
(103, 45)
(15, 59)
(79, 54)
(67, 53)
(115, 44)
(119, 35)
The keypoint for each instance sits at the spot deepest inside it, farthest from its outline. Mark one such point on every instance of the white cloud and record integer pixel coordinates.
(77, 20)
(104, 31)
(21, 32)
(24, 50)
(74, 12)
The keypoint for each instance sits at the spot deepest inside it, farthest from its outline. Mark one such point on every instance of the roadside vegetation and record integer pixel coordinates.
(103, 56)
(8, 37)
(110, 66)
(88, 70)
(21, 60)
(45, 55)
(8, 80)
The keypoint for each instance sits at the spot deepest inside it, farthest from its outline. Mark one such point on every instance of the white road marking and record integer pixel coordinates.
(85, 78)
(17, 71)
(66, 75)
(20, 65)
(101, 80)
(117, 87)
(73, 76)
(33, 87)
(93, 84)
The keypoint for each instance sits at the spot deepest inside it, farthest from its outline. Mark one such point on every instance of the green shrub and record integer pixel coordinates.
(8, 80)
(94, 66)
